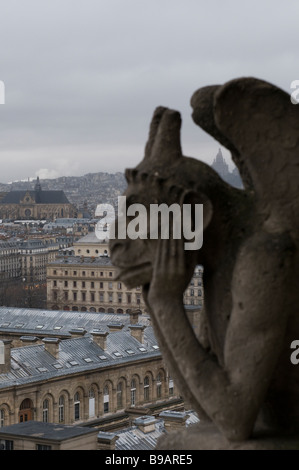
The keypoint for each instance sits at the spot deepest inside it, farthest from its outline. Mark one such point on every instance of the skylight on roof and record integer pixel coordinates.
(87, 359)
(103, 358)
(73, 363)
(142, 349)
(19, 325)
(129, 351)
(57, 366)
(5, 324)
(57, 327)
(117, 354)
(39, 327)
(42, 369)
(155, 347)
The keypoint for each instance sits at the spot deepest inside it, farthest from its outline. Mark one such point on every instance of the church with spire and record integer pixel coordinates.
(220, 165)
(36, 204)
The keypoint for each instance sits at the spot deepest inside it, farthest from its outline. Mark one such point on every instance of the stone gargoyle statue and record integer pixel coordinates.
(240, 378)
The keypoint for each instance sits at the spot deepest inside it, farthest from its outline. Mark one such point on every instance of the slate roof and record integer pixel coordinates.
(28, 321)
(81, 260)
(40, 197)
(134, 439)
(40, 430)
(33, 363)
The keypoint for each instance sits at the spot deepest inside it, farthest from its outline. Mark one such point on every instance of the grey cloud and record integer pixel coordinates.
(83, 78)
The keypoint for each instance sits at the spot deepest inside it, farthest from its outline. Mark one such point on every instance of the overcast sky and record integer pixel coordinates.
(83, 77)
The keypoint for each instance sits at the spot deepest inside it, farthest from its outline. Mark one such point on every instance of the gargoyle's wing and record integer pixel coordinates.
(259, 124)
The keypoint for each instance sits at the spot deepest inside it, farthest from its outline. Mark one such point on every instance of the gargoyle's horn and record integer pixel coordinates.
(164, 143)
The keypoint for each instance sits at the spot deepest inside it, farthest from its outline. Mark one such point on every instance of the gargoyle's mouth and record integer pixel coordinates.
(135, 275)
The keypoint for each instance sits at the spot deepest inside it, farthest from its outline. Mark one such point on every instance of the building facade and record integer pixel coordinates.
(98, 378)
(26, 261)
(81, 283)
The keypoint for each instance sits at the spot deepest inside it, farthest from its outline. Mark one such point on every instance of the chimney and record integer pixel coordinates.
(28, 340)
(146, 423)
(52, 346)
(115, 327)
(77, 332)
(134, 316)
(137, 331)
(106, 440)
(5, 347)
(100, 338)
(174, 420)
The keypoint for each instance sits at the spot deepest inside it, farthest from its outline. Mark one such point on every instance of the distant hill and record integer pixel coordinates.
(97, 188)
(92, 188)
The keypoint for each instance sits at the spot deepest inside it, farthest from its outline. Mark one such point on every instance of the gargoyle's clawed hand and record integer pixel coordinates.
(169, 272)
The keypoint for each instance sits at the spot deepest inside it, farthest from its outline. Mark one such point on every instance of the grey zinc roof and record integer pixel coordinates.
(81, 260)
(56, 322)
(134, 439)
(90, 238)
(34, 363)
(52, 431)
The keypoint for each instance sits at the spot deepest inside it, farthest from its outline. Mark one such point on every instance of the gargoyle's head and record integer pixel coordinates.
(163, 177)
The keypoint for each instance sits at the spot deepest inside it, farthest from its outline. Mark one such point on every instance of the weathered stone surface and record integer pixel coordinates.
(243, 374)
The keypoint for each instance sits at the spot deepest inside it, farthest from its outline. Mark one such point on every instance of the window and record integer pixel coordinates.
(106, 400)
(83, 273)
(91, 396)
(119, 285)
(74, 273)
(43, 447)
(92, 285)
(77, 406)
(133, 392)
(75, 296)
(61, 409)
(2, 418)
(138, 299)
(83, 297)
(66, 273)
(7, 445)
(66, 295)
(65, 284)
(92, 273)
(92, 296)
(191, 291)
(46, 411)
(146, 388)
(119, 395)
(83, 284)
(101, 297)
(74, 283)
(54, 271)
(110, 274)
(159, 386)
(101, 285)
(119, 296)
(110, 295)
(101, 273)
(54, 283)
(110, 285)
(129, 298)
(170, 386)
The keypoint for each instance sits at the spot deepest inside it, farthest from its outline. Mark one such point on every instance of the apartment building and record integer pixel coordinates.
(103, 377)
(87, 283)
